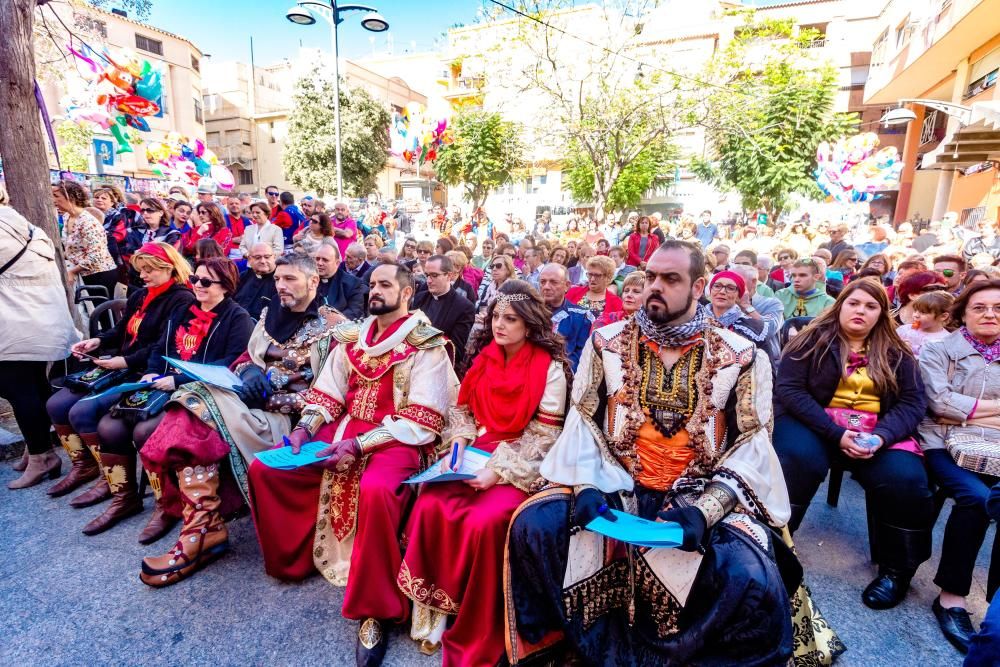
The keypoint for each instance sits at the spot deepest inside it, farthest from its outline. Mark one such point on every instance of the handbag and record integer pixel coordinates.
(95, 380)
(971, 450)
(141, 405)
(865, 422)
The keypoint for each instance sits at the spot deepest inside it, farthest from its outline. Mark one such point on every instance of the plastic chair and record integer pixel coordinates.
(110, 311)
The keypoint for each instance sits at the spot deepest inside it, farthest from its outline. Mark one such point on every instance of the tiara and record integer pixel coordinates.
(504, 300)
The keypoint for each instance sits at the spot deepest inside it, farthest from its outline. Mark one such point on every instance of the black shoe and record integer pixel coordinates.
(372, 643)
(887, 590)
(955, 624)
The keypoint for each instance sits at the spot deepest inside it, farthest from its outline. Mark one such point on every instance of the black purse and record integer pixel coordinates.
(141, 405)
(95, 380)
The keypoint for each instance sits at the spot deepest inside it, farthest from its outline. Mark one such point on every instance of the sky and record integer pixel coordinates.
(223, 28)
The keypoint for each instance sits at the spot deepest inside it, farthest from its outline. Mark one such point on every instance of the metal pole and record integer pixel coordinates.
(336, 99)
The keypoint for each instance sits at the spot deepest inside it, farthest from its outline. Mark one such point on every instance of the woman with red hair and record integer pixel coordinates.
(913, 286)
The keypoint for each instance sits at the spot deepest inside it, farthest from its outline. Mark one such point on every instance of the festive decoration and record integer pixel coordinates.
(122, 90)
(851, 170)
(416, 138)
(180, 160)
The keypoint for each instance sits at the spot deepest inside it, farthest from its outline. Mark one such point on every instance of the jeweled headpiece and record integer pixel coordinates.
(504, 301)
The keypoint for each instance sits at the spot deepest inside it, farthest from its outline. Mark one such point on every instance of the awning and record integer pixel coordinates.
(971, 144)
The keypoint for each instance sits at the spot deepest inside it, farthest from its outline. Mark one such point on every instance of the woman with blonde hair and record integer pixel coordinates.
(596, 295)
(631, 297)
(126, 352)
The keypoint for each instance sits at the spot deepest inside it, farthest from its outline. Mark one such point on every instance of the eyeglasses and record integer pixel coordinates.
(947, 273)
(150, 210)
(982, 310)
(205, 282)
(782, 258)
(435, 276)
(729, 289)
(272, 194)
(595, 276)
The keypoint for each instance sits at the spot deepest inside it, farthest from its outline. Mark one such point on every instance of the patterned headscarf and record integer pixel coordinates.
(672, 335)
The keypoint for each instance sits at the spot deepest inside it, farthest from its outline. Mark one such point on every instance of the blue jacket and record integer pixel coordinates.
(573, 323)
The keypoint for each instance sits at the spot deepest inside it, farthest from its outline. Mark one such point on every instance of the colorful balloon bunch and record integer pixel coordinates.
(851, 170)
(177, 159)
(416, 138)
(123, 90)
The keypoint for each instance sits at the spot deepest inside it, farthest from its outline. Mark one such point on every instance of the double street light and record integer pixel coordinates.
(330, 11)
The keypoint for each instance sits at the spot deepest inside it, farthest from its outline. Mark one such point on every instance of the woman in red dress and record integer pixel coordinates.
(511, 406)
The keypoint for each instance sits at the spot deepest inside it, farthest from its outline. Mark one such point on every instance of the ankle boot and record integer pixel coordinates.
(900, 552)
(99, 491)
(84, 466)
(21, 464)
(125, 500)
(160, 523)
(203, 537)
(39, 467)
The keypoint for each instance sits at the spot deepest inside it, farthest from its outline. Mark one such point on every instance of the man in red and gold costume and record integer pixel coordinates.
(381, 401)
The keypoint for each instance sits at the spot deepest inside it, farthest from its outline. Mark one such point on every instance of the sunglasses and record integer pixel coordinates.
(272, 194)
(150, 210)
(498, 265)
(782, 258)
(205, 282)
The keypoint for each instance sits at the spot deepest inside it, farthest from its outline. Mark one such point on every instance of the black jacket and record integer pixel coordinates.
(803, 392)
(226, 340)
(452, 313)
(136, 353)
(255, 292)
(343, 292)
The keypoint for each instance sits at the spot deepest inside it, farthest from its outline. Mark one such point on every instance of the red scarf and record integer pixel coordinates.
(503, 396)
(134, 322)
(188, 339)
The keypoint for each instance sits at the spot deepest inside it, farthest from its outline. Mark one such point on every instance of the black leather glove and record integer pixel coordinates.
(588, 507)
(693, 522)
(256, 387)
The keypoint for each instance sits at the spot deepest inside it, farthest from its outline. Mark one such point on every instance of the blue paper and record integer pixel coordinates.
(217, 376)
(473, 461)
(120, 389)
(283, 459)
(640, 532)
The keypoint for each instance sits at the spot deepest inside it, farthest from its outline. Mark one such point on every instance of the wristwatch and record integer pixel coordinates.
(749, 309)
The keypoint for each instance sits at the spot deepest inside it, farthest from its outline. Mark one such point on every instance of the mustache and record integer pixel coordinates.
(656, 297)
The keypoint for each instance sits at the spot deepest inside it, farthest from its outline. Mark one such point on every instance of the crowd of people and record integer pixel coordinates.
(705, 375)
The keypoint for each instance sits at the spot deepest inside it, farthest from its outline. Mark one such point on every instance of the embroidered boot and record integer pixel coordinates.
(203, 537)
(160, 523)
(372, 643)
(84, 466)
(39, 467)
(99, 491)
(125, 501)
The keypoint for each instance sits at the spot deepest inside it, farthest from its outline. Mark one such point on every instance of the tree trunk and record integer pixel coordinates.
(22, 145)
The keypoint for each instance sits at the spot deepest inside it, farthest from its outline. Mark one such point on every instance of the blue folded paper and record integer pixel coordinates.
(638, 531)
(283, 459)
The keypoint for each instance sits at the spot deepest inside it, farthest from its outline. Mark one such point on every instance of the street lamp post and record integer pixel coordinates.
(331, 11)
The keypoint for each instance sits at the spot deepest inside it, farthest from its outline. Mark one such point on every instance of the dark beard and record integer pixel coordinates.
(669, 316)
(383, 308)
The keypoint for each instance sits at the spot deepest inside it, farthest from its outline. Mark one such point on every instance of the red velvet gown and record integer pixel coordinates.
(456, 536)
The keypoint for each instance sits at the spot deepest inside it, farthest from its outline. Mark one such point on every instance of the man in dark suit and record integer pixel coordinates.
(256, 289)
(338, 288)
(447, 310)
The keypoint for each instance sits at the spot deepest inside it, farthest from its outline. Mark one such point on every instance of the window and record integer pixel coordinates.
(91, 25)
(878, 50)
(981, 84)
(245, 137)
(970, 217)
(195, 65)
(902, 33)
(147, 44)
(245, 176)
(212, 139)
(198, 118)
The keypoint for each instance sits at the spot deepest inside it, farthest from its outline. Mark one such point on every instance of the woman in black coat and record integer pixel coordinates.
(848, 390)
(165, 275)
(214, 330)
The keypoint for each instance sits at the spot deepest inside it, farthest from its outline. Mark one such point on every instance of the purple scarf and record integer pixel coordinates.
(990, 352)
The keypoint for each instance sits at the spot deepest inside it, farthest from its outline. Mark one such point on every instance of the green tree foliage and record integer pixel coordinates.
(774, 110)
(484, 156)
(74, 145)
(653, 165)
(309, 157)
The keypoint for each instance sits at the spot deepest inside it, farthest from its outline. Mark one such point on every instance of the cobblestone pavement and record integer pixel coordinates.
(67, 599)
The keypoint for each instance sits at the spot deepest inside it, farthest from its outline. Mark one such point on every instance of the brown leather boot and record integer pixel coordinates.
(84, 466)
(39, 467)
(203, 537)
(21, 464)
(160, 523)
(125, 500)
(99, 491)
